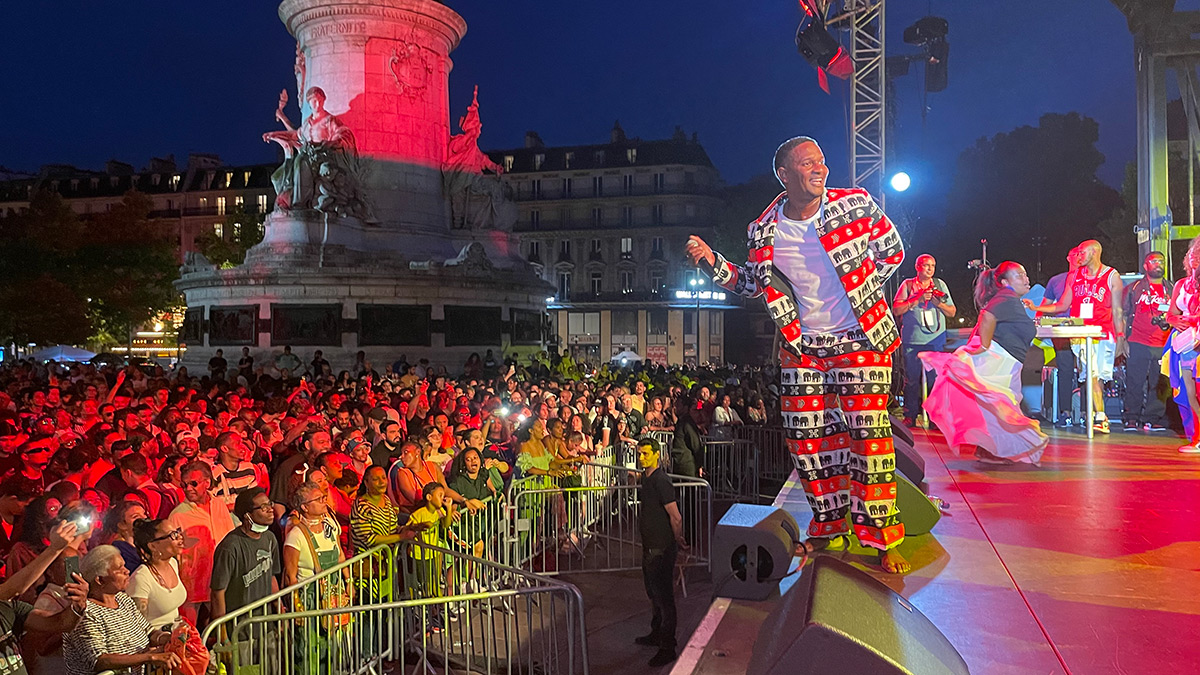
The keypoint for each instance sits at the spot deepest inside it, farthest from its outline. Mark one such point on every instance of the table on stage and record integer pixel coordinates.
(1091, 337)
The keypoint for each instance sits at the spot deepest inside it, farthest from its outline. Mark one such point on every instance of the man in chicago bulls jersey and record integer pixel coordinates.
(1093, 292)
(818, 257)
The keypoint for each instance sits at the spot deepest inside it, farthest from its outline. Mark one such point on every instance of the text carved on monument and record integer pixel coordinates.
(340, 28)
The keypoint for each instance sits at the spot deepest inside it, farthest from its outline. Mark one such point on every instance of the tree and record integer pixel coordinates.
(39, 297)
(129, 264)
(244, 230)
(1030, 186)
(1116, 236)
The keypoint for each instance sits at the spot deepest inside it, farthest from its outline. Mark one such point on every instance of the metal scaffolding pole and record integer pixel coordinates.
(868, 96)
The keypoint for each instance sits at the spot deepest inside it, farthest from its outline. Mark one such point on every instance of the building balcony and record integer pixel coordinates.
(576, 194)
(661, 297)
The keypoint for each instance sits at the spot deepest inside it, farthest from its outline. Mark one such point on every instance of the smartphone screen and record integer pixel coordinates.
(72, 565)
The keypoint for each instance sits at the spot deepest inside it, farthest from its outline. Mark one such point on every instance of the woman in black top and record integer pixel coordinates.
(977, 404)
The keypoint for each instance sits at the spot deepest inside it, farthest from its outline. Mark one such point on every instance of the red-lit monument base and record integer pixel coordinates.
(1094, 558)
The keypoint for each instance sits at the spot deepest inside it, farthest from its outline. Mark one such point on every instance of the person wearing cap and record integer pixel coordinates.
(661, 526)
(375, 417)
(187, 443)
(359, 451)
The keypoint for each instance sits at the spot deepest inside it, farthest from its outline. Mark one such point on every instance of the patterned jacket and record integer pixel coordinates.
(862, 244)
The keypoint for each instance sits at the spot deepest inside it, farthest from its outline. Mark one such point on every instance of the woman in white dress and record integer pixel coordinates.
(975, 400)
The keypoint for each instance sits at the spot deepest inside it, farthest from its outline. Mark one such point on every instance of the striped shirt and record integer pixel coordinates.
(105, 630)
(369, 521)
(229, 484)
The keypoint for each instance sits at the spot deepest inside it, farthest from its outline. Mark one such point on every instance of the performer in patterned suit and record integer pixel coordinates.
(819, 256)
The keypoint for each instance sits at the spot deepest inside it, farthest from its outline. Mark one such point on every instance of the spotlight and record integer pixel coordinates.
(820, 48)
(901, 181)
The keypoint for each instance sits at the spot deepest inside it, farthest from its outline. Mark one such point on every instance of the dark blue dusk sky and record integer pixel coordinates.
(90, 81)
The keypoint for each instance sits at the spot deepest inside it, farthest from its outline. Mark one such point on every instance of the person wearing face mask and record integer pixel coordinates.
(1146, 302)
(976, 401)
(246, 562)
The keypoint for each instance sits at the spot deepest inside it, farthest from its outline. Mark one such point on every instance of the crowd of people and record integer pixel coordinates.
(134, 500)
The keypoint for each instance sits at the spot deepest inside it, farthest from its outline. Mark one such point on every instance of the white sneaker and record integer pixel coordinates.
(1189, 449)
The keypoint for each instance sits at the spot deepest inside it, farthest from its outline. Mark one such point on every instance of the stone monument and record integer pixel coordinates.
(389, 234)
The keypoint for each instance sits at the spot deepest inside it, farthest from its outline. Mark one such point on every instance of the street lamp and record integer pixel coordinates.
(697, 283)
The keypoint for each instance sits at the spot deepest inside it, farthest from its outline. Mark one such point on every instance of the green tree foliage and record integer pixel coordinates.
(743, 203)
(38, 298)
(242, 230)
(1017, 187)
(63, 279)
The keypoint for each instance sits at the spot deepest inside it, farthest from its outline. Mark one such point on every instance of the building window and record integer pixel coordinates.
(535, 251)
(535, 219)
(660, 182)
(656, 281)
(219, 230)
(597, 216)
(626, 248)
(113, 180)
(595, 250)
(245, 179)
(237, 230)
(658, 214)
(74, 184)
(564, 217)
(508, 163)
(536, 188)
(599, 157)
(239, 201)
(656, 326)
(627, 184)
(626, 281)
(564, 286)
(538, 160)
(566, 190)
(220, 206)
(174, 181)
(262, 203)
(154, 179)
(568, 158)
(627, 216)
(714, 324)
(597, 186)
(583, 323)
(597, 282)
(689, 178)
(204, 202)
(631, 155)
(564, 250)
(656, 246)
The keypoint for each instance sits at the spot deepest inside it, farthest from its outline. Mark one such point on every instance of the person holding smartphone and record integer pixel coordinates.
(17, 617)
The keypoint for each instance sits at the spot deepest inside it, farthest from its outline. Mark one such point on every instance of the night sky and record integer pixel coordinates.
(90, 81)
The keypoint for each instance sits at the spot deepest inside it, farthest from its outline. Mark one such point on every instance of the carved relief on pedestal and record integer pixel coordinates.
(412, 68)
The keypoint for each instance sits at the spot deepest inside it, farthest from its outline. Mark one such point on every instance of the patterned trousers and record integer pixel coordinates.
(834, 408)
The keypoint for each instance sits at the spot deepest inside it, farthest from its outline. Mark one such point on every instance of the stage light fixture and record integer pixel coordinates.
(901, 181)
(820, 48)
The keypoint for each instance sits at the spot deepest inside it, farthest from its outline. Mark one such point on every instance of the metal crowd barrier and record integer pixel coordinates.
(445, 610)
(595, 527)
(731, 467)
(775, 463)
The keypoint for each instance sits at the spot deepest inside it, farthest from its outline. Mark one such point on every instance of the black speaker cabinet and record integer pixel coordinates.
(837, 619)
(908, 461)
(752, 548)
(901, 431)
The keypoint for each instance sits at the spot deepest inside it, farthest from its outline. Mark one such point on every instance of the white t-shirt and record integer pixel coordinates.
(162, 604)
(821, 299)
(325, 538)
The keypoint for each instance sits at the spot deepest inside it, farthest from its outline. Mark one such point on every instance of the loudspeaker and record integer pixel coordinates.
(838, 619)
(908, 461)
(901, 431)
(752, 548)
(918, 514)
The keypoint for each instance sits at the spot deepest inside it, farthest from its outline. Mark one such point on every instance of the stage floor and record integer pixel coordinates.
(1089, 564)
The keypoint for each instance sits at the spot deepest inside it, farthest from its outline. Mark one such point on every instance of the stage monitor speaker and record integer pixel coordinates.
(838, 619)
(752, 549)
(917, 512)
(899, 430)
(908, 460)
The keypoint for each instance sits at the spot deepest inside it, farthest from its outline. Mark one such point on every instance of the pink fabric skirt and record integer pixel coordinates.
(976, 402)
